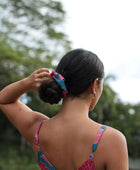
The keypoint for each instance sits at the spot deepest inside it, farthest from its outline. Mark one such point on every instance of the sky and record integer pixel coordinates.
(110, 29)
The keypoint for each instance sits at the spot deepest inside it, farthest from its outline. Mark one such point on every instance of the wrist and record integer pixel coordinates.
(12, 92)
(26, 84)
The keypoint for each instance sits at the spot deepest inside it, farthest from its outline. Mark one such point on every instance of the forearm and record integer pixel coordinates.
(12, 92)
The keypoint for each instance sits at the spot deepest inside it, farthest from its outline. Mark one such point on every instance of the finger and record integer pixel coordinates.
(44, 74)
(40, 80)
(42, 70)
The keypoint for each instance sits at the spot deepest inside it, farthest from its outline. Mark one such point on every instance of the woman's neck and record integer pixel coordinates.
(74, 108)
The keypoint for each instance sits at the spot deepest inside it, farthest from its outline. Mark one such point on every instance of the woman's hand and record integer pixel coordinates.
(12, 92)
(37, 77)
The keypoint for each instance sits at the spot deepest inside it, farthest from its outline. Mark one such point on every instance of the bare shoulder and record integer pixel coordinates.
(114, 140)
(116, 149)
(114, 135)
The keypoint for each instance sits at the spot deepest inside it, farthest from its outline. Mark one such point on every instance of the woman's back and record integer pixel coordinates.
(68, 144)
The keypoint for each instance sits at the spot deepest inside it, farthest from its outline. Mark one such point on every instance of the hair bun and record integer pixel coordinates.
(50, 91)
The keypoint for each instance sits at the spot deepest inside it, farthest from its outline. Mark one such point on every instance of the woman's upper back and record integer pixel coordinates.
(67, 145)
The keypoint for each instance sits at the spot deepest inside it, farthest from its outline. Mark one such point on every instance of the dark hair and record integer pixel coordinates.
(50, 91)
(80, 68)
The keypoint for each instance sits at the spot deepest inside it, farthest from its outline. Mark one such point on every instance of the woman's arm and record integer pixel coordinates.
(21, 116)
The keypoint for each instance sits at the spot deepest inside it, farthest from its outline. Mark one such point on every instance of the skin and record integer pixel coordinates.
(67, 138)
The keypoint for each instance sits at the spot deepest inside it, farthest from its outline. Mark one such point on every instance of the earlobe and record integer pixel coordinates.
(93, 87)
(94, 95)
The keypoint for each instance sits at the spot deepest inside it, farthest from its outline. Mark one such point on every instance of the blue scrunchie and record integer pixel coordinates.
(60, 80)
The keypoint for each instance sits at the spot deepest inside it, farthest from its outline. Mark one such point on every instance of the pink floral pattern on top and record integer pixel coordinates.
(89, 164)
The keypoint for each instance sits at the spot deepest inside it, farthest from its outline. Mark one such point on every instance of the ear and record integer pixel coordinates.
(93, 86)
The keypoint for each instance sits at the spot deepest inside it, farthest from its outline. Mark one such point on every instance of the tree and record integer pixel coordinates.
(34, 27)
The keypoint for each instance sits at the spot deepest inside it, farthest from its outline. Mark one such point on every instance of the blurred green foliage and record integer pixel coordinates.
(12, 158)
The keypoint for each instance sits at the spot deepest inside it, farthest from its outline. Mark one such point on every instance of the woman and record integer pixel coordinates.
(69, 140)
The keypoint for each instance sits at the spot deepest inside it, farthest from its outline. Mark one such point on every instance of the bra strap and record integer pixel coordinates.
(97, 138)
(37, 133)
